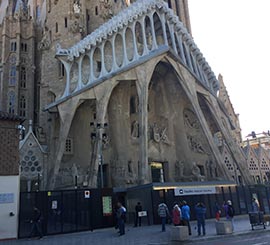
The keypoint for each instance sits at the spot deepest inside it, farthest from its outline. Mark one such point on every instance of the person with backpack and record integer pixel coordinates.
(200, 211)
(229, 211)
(121, 218)
(176, 215)
(163, 213)
(186, 216)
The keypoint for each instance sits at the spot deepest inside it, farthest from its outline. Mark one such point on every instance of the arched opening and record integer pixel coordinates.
(119, 52)
(85, 69)
(129, 44)
(148, 33)
(108, 56)
(169, 37)
(158, 30)
(97, 62)
(123, 119)
(74, 76)
(139, 38)
(177, 142)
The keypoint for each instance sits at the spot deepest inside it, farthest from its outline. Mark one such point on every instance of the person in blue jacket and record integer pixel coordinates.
(200, 211)
(186, 215)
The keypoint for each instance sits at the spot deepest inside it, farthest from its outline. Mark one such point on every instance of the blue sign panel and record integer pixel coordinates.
(6, 198)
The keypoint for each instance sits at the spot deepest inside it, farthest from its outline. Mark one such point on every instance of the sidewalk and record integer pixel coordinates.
(145, 235)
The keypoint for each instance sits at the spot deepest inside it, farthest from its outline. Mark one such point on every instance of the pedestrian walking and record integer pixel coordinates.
(121, 217)
(255, 205)
(163, 213)
(176, 215)
(229, 211)
(186, 216)
(217, 211)
(138, 208)
(200, 211)
(36, 223)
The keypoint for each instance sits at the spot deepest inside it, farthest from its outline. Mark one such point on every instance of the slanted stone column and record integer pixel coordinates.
(103, 93)
(144, 75)
(66, 111)
(143, 133)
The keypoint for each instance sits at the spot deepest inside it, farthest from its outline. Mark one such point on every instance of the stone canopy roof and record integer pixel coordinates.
(118, 22)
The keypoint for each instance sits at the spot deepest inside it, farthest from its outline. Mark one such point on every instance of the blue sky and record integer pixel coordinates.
(234, 36)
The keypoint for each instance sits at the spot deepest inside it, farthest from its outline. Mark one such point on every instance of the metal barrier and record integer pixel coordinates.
(65, 211)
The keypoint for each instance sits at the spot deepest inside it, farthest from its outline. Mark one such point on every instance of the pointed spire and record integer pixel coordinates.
(30, 126)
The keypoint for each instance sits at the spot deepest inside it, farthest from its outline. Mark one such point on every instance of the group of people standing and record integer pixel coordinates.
(180, 214)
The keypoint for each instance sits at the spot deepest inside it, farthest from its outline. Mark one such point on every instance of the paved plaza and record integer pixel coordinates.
(145, 235)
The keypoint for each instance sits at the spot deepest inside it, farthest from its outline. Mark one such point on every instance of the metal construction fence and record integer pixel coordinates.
(67, 211)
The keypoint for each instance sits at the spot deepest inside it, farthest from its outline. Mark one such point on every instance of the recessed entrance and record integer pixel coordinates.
(157, 172)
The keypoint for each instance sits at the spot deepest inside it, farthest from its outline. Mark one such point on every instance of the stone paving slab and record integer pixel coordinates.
(145, 235)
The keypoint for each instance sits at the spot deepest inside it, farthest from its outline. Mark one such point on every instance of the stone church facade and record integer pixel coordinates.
(119, 95)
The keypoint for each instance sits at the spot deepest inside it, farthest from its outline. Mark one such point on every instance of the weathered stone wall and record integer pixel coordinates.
(9, 148)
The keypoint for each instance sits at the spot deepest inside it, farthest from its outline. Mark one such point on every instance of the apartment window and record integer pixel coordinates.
(11, 102)
(96, 10)
(22, 106)
(56, 27)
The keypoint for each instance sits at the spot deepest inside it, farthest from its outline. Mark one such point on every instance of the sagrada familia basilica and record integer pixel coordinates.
(116, 93)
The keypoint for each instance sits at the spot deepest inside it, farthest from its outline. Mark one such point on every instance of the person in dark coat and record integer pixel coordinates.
(36, 223)
(200, 211)
(121, 217)
(138, 208)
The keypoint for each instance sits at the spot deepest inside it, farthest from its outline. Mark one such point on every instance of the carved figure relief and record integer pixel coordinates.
(106, 10)
(131, 178)
(158, 134)
(40, 135)
(196, 173)
(190, 120)
(45, 42)
(135, 130)
(76, 7)
(195, 145)
(179, 170)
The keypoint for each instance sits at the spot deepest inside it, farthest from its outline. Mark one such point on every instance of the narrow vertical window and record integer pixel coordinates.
(61, 70)
(11, 102)
(96, 10)
(66, 22)
(56, 27)
(23, 77)
(22, 106)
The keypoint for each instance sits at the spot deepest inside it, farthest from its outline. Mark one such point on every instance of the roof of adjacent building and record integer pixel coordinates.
(8, 116)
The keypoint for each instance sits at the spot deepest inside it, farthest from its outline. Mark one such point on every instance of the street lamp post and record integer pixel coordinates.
(98, 136)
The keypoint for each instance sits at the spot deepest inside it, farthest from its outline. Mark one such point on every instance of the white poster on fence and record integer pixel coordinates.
(189, 191)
